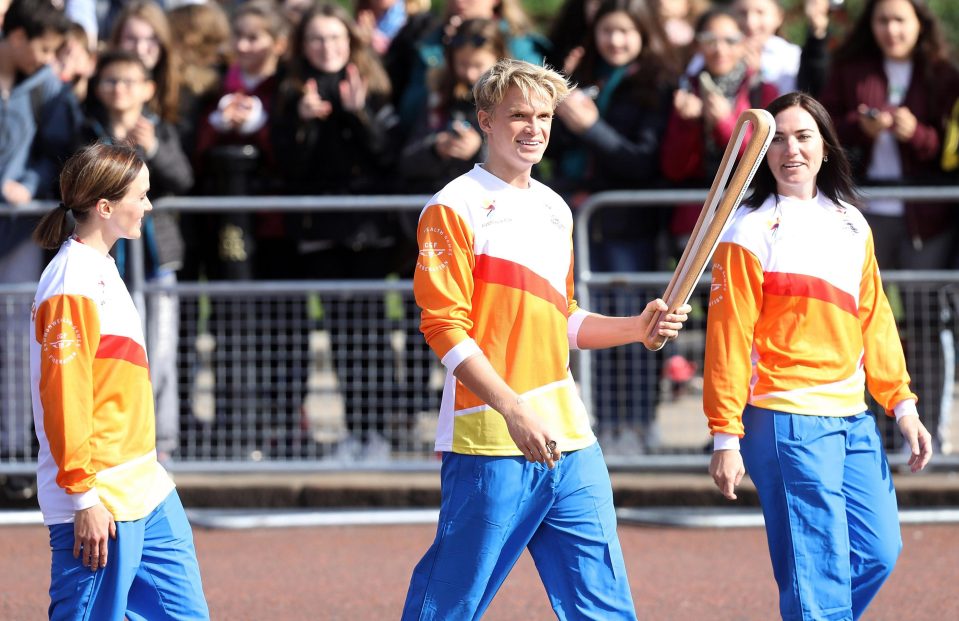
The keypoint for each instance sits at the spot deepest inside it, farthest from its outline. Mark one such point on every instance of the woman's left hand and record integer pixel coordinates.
(353, 90)
(904, 124)
(920, 441)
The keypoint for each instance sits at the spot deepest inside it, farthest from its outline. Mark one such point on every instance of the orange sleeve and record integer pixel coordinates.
(735, 299)
(443, 279)
(68, 331)
(886, 376)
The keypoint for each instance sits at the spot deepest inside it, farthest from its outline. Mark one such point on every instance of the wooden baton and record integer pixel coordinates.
(718, 209)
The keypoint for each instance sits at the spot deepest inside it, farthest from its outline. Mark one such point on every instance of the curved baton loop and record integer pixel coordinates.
(717, 212)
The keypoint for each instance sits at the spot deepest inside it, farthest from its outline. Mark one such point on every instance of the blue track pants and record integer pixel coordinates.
(832, 521)
(495, 507)
(151, 574)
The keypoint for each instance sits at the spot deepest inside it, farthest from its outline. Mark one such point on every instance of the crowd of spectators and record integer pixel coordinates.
(303, 97)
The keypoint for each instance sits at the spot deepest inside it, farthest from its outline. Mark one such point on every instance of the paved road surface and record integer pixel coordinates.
(361, 573)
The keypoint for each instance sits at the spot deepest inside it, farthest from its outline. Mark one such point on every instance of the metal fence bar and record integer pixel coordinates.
(250, 352)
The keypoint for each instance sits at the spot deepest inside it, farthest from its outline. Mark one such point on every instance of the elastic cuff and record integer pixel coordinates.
(905, 408)
(725, 442)
(463, 350)
(84, 500)
(572, 327)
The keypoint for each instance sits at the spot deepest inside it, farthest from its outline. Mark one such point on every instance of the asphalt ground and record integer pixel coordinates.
(361, 573)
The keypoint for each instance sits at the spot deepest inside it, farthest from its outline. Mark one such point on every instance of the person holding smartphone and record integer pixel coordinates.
(890, 88)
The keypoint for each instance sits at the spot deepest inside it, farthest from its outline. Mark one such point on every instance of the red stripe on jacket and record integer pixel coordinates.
(122, 348)
(801, 285)
(509, 274)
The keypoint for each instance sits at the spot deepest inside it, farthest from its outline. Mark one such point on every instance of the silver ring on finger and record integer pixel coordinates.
(551, 446)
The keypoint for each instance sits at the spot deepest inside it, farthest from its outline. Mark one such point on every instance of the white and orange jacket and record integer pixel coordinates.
(92, 396)
(798, 320)
(495, 275)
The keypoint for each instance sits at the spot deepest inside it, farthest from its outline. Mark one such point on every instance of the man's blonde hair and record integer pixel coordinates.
(533, 81)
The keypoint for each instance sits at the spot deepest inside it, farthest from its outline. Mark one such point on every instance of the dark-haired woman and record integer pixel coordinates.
(794, 337)
(890, 88)
(120, 541)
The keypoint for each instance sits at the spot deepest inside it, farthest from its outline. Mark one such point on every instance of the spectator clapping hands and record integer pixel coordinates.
(311, 105)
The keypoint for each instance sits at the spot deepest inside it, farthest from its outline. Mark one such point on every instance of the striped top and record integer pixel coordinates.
(798, 321)
(495, 275)
(92, 396)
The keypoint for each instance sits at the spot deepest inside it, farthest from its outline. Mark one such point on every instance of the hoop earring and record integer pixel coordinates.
(825, 158)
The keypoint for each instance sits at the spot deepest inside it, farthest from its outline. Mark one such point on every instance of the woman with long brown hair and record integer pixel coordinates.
(143, 28)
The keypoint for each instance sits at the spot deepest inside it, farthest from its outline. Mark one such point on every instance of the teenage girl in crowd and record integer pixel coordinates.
(242, 111)
(334, 134)
(890, 88)
(706, 108)
(446, 141)
(120, 541)
(607, 136)
(142, 27)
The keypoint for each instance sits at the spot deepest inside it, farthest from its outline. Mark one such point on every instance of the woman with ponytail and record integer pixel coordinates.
(120, 541)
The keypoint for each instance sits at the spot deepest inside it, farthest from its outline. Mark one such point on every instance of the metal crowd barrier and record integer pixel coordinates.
(335, 374)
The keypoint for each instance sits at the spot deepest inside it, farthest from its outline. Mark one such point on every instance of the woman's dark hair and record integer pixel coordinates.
(860, 43)
(834, 178)
(117, 57)
(97, 171)
(479, 34)
(568, 30)
(703, 21)
(656, 64)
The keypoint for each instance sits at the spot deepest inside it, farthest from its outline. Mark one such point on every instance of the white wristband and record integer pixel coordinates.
(906, 407)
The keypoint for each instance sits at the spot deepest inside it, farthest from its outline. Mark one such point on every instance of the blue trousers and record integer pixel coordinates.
(151, 573)
(832, 521)
(493, 508)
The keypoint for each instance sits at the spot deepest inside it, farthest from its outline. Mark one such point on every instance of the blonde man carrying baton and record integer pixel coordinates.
(521, 466)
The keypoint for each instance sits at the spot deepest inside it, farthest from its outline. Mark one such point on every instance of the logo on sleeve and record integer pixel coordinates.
(435, 250)
(61, 341)
(717, 289)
